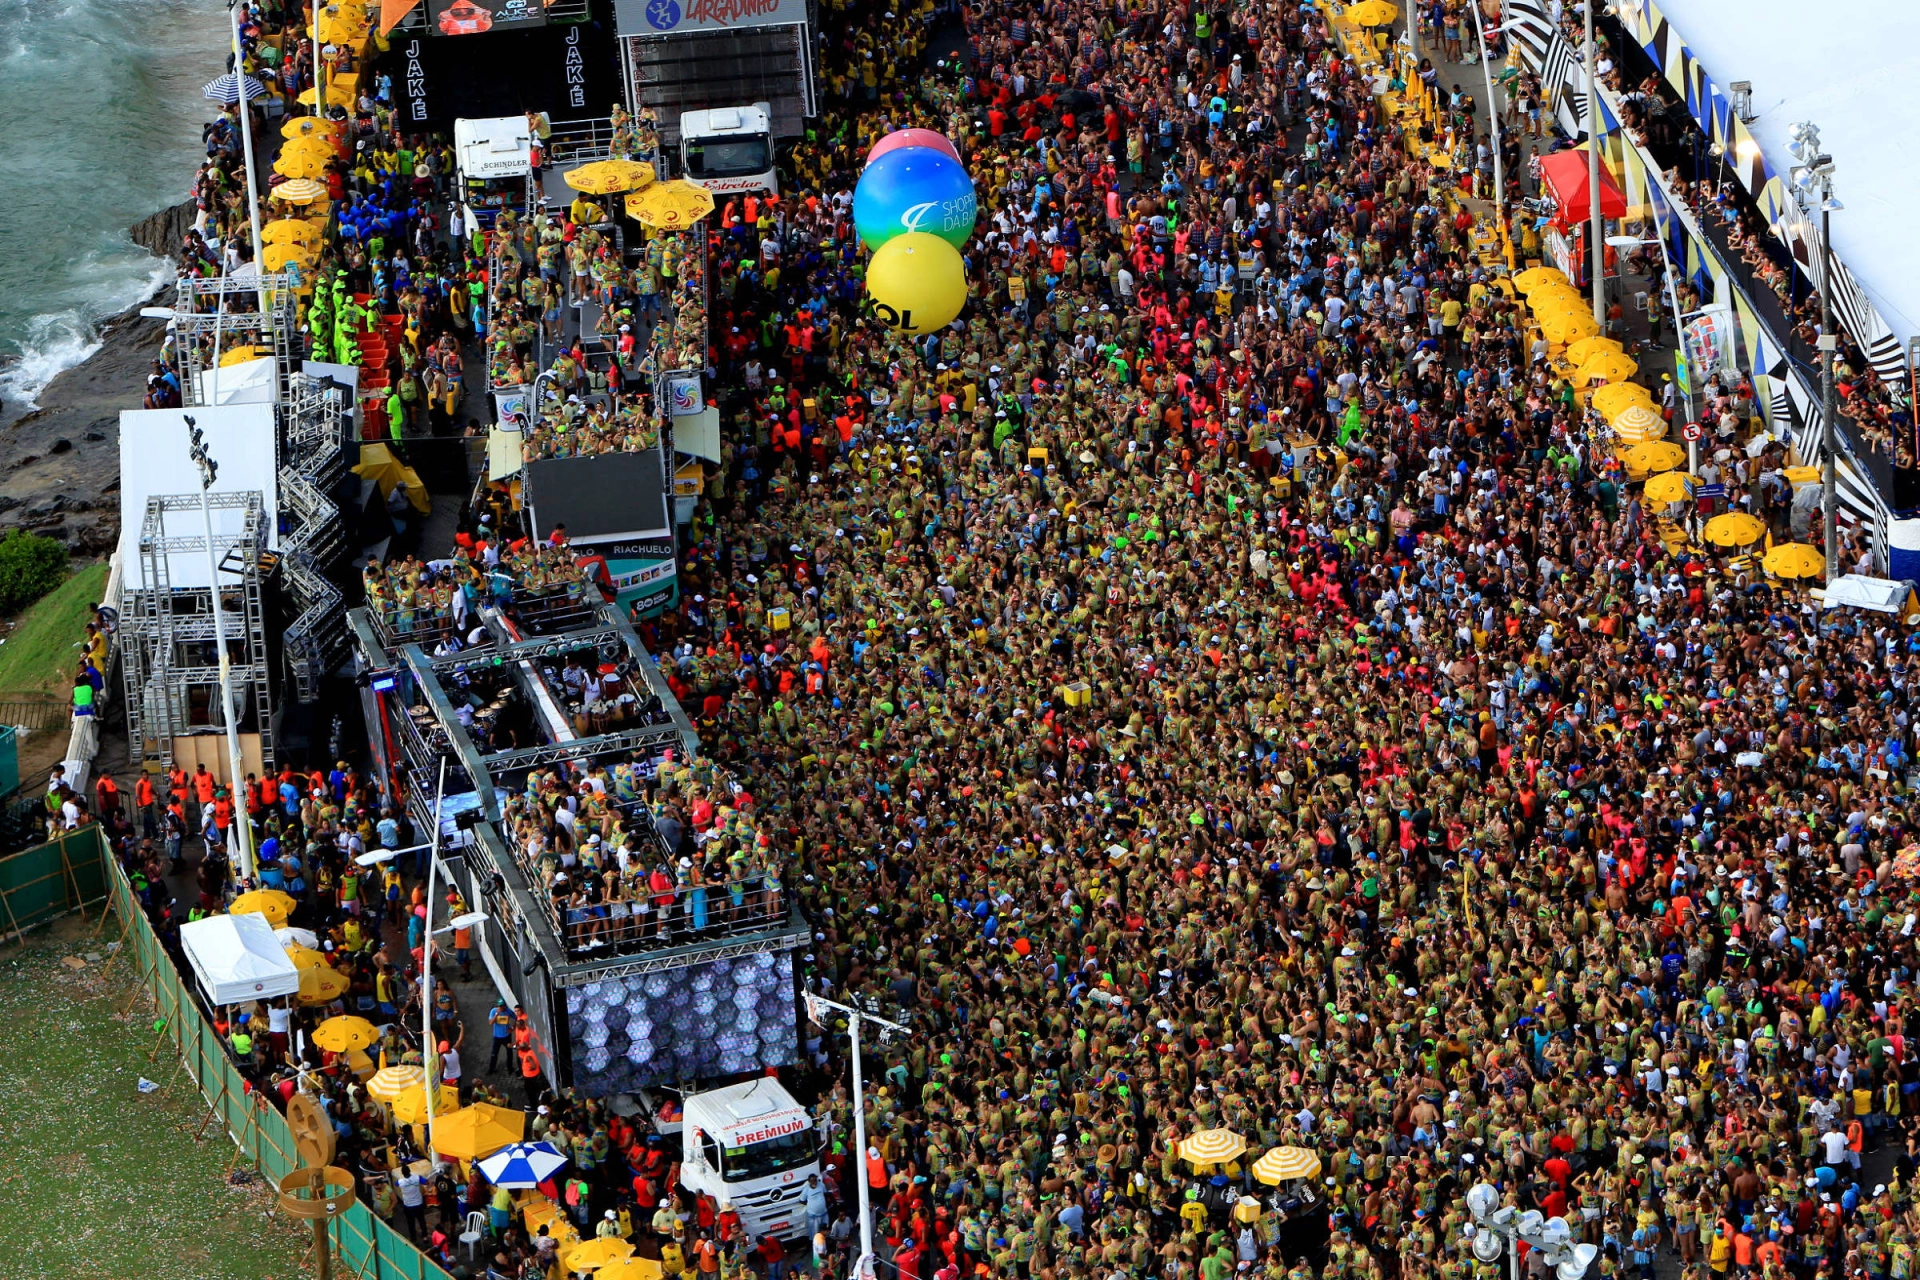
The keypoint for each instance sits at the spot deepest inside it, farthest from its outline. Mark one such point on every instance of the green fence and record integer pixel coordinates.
(368, 1247)
(50, 880)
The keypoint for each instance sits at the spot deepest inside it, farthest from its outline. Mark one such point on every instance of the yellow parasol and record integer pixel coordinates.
(300, 164)
(1568, 326)
(609, 177)
(630, 1269)
(591, 1255)
(1284, 1164)
(338, 95)
(1371, 13)
(1655, 455)
(1610, 400)
(346, 1033)
(388, 1083)
(1556, 298)
(1212, 1146)
(277, 256)
(332, 26)
(299, 191)
(271, 903)
(670, 206)
(1669, 486)
(478, 1130)
(1585, 349)
(307, 958)
(1734, 529)
(1534, 277)
(307, 127)
(1605, 366)
(290, 231)
(1794, 560)
(1638, 422)
(410, 1106)
(322, 986)
(238, 355)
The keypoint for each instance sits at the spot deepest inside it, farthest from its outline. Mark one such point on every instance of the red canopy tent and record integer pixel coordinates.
(1565, 174)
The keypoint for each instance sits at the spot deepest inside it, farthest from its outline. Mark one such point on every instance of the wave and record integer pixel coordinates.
(53, 342)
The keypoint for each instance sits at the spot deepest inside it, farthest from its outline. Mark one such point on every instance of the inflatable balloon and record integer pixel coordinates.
(912, 138)
(914, 189)
(918, 283)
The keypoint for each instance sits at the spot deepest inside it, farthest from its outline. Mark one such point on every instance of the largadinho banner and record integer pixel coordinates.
(671, 17)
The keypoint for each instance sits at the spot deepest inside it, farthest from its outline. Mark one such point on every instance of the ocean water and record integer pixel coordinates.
(102, 107)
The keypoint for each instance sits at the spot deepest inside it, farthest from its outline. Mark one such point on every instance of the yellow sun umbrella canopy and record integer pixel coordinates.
(300, 165)
(1637, 422)
(299, 191)
(629, 1269)
(344, 1034)
(1669, 486)
(670, 206)
(591, 1255)
(271, 903)
(337, 24)
(1655, 455)
(1584, 350)
(388, 1083)
(1606, 366)
(1794, 560)
(307, 127)
(1734, 529)
(338, 95)
(1284, 1164)
(322, 986)
(609, 177)
(1534, 277)
(478, 1130)
(1568, 326)
(1616, 396)
(290, 231)
(410, 1105)
(277, 256)
(307, 958)
(1212, 1146)
(1371, 13)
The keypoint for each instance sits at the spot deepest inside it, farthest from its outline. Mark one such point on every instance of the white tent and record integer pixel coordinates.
(1858, 591)
(238, 959)
(246, 382)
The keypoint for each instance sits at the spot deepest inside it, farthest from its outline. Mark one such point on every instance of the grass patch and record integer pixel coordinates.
(42, 650)
(101, 1179)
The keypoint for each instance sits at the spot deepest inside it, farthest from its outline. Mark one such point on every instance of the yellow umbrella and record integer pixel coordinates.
(670, 206)
(307, 127)
(1638, 422)
(1734, 529)
(322, 986)
(271, 903)
(1568, 326)
(1617, 396)
(1557, 300)
(410, 1106)
(1655, 455)
(1608, 366)
(1534, 277)
(1212, 1146)
(338, 95)
(1669, 486)
(299, 191)
(1283, 1164)
(478, 1130)
(1586, 348)
(1794, 560)
(290, 231)
(1371, 13)
(346, 1033)
(609, 177)
(300, 165)
(630, 1269)
(277, 256)
(591, 1255)
(331, 26)
(307, 958)
(388, 1083)
(237, 355)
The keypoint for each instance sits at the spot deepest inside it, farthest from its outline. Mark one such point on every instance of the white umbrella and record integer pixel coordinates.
(288, 936)
(524, 1164)
(226, 89)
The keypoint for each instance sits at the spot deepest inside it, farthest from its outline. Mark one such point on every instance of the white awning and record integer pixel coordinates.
(237, 959)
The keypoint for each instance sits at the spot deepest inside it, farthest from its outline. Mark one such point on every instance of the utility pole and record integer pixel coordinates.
(1595, 232)
(229, 712)
(816, 1005)
(1813, 178)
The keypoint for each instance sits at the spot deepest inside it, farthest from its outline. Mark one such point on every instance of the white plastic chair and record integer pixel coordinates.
(476, 1232)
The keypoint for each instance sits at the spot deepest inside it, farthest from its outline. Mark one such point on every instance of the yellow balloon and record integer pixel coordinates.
(918, 283)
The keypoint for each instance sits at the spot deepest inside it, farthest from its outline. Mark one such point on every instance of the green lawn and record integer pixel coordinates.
(40, 652)
(101, 1179)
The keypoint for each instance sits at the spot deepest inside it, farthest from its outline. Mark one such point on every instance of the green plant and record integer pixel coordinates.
(31, 564)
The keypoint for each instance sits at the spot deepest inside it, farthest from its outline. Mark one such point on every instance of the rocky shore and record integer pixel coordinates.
(60, 464)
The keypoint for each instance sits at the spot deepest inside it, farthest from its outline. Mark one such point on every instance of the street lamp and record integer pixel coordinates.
(428, 1053)
(246, 148)
(1683, 386)
(1498, 1228)
(1595, 228)
(816, 1007)
(229, 710)
(1812, 179)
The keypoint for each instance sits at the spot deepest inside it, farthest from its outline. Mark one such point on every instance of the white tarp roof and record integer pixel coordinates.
(154, 463)
(248, 382)
(237, 959)
(1858, 591)
(1850, 70)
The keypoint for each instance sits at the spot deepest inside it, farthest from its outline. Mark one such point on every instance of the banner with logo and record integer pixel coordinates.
(671, 17)
(1710, 337)
(478, 17)
(683, 394)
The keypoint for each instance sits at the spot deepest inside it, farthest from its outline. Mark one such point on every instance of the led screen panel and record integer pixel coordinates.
(708, 1020)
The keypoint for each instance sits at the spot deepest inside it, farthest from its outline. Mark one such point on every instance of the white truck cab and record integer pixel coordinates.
(495, 159)
(729, 149)
(749, 1145)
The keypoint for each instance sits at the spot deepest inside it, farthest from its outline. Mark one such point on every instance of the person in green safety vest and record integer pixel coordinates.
(396, 413)
(242, 1039)
(1351, 423)
(82, 694)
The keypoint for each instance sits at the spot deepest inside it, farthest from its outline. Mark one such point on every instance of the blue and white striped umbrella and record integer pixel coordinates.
(524, 1164)
(226, 89)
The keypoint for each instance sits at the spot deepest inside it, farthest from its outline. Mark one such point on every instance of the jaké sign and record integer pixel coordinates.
(477, 17)
(669, 17)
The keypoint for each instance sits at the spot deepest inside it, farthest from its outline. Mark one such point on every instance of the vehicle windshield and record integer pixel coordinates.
(728, 157)
(788, 1151)
(496, 193)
